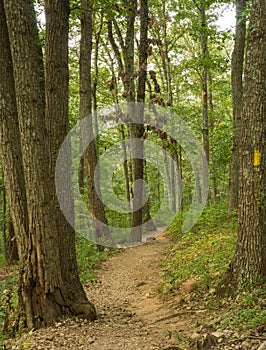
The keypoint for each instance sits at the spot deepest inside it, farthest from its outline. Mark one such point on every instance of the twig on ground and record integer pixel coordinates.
(177, 314)
(262, 346)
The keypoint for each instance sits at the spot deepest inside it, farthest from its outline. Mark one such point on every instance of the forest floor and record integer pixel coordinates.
(132, 315)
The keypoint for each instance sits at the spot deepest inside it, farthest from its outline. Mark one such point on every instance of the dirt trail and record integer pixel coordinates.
(131, 314)
(134, 315)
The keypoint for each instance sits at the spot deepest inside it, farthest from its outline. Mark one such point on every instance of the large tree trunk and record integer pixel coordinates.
(237, 91)
(46, 294)
(91, 153)
(57, 122)
(10, 149)
(138, 127)
(249, 262)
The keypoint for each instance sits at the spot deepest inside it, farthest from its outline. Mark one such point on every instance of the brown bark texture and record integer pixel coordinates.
(49, 283)
(237, 92)
(137, 129)
(11, 156)
(249, 263)
(204, 81)
(91, 153)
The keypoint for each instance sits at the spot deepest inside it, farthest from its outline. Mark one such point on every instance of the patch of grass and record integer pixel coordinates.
(247, 311)
(8, 300)
(89, 257)
(201, 254)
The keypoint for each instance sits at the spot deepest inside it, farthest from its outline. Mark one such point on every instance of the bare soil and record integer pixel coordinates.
(132, 315)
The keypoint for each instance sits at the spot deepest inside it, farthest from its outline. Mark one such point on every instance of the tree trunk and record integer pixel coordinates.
(125, 164)
(166, 59)
(204, 81)
(57, 122)
(81, 176)
(11, 156)
(96, 74)
(249, 263)
(12, 248)
(179, 182)
(211, 126)
(45, 292)
(91, 153)
(128, 51)
(138, 127)
(146, 214)
(178, 178)
(237, 92)
(167, 174)
(4, 221)
(172, 184)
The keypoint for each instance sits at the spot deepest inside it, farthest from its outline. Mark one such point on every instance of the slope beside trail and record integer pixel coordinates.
(131, 315)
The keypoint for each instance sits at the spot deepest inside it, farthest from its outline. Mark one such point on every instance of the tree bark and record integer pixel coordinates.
(249, 263)
(57, 124)
(11, 155)
(172, 184)
(167, 173)
(128, 51)
(95, 81)
(146, 214)
(45, 292)
(237, 92)
(138, 127)
(12, 248)
(166, 59)
(4, 219)
(91, 153)
(204, 81)
(214, 173)
(125, 163)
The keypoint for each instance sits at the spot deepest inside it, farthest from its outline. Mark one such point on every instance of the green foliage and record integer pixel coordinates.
(8, 302)
(247, 312)
(89, 257)
(169, 334)
(201, 254)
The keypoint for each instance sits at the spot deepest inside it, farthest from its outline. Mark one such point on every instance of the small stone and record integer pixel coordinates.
(91, 340)
(218, 334)
(195, 336)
